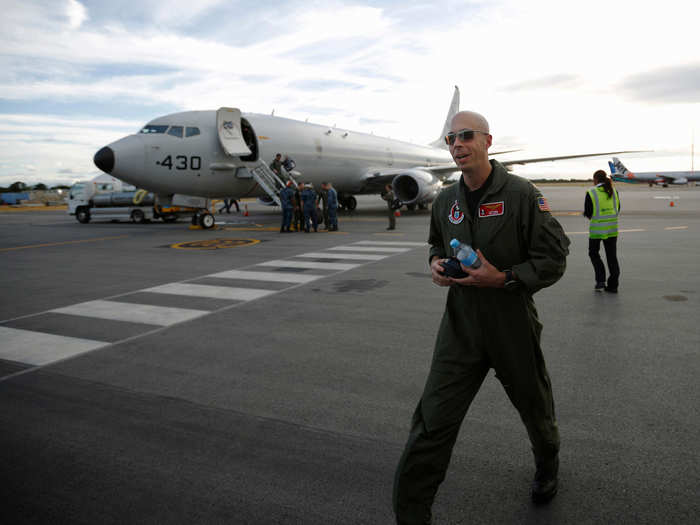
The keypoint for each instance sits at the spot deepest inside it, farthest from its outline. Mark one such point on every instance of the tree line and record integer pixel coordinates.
(18, 187)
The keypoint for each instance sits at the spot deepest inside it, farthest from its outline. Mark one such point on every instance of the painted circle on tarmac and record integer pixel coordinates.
(214, 244)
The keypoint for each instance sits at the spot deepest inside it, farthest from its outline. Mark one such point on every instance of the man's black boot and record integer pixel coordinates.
(546, 483)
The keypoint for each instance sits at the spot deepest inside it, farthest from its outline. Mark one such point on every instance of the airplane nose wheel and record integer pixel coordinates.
(206, 220)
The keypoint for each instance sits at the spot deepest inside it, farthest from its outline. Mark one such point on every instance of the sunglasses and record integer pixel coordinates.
(465, 135)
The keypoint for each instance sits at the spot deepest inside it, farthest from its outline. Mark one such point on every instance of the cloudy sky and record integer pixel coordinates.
(552, 77)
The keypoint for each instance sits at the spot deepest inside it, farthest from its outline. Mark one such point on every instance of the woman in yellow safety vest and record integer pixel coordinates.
(602, 207)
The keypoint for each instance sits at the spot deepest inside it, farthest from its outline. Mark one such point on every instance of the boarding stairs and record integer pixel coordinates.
(269, 180)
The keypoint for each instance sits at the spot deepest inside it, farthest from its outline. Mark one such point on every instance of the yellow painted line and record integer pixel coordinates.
(248, 229)
(214, 244)
(676, 228)
(14, 209)
(62, 243)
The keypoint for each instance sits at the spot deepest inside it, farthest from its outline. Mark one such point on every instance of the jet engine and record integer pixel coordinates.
(415, 186)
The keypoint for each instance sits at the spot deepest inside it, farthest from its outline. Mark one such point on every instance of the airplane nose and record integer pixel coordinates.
(104, 159)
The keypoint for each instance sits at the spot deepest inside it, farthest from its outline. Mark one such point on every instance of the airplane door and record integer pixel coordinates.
(228, 125)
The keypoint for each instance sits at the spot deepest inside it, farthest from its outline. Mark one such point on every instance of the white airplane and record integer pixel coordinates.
(621, 174)
(225, 154)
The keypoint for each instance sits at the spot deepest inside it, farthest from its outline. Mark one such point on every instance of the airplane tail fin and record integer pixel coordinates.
(612, 168)
(619, 167)
(451, 112)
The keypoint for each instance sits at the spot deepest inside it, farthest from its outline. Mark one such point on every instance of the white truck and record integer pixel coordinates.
(114, 200)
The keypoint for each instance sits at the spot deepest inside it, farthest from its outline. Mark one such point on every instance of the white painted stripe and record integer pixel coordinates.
(38, 348)
(391, 243)
(281, 277)
(353, 256)
(309, 264)
(132, 313)
(215, 292)
(676, 228)
(370, 249)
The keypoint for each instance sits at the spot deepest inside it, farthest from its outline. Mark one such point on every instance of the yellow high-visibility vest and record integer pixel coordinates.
(606, 209)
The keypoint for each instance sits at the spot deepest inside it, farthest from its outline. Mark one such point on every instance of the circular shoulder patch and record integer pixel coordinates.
(456, 215)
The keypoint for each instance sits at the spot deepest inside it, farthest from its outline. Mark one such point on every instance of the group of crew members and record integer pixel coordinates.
(301, 206)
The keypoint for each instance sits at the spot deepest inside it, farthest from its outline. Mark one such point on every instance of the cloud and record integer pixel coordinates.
(549, 82)
(77, 14)
(678, 84)
(322, 85)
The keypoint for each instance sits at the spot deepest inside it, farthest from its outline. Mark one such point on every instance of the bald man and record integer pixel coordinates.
(490, 320)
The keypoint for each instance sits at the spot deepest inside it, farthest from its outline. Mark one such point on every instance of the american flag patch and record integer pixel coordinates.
(542, 204)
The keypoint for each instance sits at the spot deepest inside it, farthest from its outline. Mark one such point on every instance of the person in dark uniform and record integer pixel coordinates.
(286, 196)
(602, 207)
(490, 320)
(332, 223)
(308, 199)
(322, 200)
(388, 196)
(276, 165)
(298, 213)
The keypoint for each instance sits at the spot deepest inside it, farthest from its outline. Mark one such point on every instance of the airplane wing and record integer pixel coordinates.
(562, 157)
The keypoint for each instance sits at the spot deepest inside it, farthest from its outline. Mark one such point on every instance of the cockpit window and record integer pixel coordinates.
(191, 132)
(175, 131)
(152, 128)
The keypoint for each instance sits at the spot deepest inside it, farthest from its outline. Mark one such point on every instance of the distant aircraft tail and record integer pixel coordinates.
(451, 112)
(618, 167)
(612, 168)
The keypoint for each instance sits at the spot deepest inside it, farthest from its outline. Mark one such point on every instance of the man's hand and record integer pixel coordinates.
(485, 276)
(436, 270)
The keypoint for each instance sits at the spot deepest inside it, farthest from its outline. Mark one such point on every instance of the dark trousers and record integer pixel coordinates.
(508, 343)
(286, 218)
(332, 218)
(392, 218)
(610, 245)
(310, 216)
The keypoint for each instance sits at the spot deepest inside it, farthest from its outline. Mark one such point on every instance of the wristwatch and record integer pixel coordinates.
(511, 280)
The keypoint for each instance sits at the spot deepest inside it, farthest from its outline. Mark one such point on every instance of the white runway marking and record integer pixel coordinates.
(391, 243)
(308, 264)
(38, 348)
(676, 228)
(132, 313)
(351, 248)
(354, 256)
(214, 292)
(267, 276)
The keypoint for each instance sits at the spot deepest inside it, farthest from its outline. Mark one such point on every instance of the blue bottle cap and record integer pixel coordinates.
(454, 243)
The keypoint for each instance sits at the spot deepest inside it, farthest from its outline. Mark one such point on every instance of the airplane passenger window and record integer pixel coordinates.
(191, 132)
(151, 128)
(175, 131)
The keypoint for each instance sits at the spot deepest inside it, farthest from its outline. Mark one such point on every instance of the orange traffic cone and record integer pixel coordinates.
(245, 212)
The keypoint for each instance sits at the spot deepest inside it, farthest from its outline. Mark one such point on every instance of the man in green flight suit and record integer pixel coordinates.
(490, 320)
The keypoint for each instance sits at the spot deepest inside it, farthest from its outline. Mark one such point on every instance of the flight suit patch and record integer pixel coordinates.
(456, 216)
(491, 209)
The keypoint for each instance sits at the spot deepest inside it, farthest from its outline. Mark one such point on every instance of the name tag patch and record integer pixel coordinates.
(491, 209)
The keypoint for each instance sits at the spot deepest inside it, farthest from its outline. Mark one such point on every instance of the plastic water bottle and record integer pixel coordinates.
(465, 254)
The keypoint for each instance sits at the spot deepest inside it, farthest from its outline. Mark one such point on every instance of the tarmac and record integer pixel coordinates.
(267, 378)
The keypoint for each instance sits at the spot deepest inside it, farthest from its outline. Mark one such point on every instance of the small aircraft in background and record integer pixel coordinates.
(621, 174)
(226, 154)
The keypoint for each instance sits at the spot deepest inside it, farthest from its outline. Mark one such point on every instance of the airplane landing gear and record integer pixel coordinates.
(347, 202)
(204, 219)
